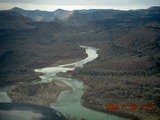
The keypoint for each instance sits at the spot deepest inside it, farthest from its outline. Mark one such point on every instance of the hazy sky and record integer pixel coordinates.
(78, 4)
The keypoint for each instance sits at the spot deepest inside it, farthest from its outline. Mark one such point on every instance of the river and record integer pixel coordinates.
(69, 102)
(3, 95)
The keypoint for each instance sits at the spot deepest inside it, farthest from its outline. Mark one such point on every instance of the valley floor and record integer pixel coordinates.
(120, 80)
(112, 79)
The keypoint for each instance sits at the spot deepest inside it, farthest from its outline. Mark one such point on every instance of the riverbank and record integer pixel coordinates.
(97, 106)
(119, 77)
(67, 102)
(102, 91)
(41, 94)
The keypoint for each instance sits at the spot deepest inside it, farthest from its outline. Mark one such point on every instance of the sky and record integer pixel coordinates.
(51, 5)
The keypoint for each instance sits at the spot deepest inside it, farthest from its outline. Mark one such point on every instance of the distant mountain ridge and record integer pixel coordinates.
(81, 17)
(43, 15)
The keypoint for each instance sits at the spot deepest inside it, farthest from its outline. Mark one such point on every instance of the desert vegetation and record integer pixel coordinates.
(126, 72)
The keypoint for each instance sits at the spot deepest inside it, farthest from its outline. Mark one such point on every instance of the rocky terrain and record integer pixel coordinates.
(126, 72)
(41, 94)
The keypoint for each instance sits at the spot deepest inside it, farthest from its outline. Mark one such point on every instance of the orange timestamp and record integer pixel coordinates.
(129, 107)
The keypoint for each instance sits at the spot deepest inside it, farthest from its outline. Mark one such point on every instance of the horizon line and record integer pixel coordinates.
(51, 8)
(80, 9)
